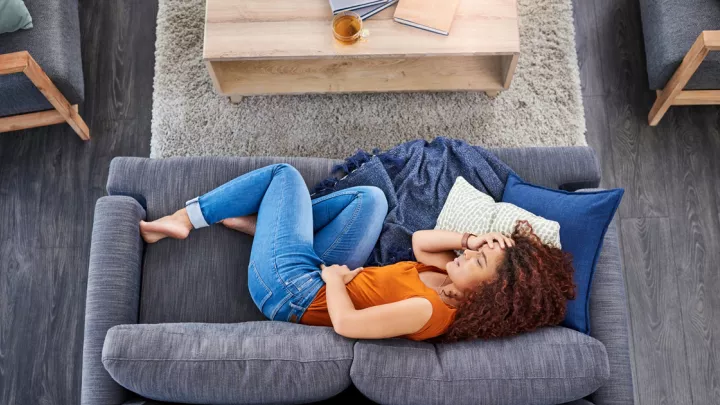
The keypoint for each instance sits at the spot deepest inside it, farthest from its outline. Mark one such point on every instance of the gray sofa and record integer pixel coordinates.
(670, 28)
(173, 321)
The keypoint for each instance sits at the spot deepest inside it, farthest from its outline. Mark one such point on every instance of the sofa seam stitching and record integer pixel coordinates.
(477, 378)
(524, 345)
(214, 360)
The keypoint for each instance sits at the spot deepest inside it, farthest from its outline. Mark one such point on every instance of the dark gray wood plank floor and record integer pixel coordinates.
(669, 224)
(669, 220)
(659, 351)
(49, 182)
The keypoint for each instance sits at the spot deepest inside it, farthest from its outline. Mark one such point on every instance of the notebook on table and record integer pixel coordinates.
(431, 15)
(367, 12)
(338, 6)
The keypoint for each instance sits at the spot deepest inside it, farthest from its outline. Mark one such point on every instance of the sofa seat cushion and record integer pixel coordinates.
(549, 366)
(247, 363)
(54, 43)
(20, 96)
(670, 28)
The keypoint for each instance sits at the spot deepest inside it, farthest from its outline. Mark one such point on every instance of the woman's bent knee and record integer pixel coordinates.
(278, 167)
(287, 171)
(374, 207)
(375, 198)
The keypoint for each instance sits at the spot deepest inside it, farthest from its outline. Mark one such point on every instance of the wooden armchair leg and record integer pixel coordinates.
(78, 124)
(32, 120)
(22, 62)
(673, 93)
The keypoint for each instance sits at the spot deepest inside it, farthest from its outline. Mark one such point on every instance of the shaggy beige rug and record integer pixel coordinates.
(543, 107)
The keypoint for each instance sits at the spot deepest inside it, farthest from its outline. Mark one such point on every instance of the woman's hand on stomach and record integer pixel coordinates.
(340, 272)
(381, 321)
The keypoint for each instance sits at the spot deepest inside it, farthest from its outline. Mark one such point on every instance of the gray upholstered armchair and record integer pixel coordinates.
(41, 75)
(173, 321)
(682, 44)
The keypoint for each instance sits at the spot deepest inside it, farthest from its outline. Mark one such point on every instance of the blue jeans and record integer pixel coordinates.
(294, 234)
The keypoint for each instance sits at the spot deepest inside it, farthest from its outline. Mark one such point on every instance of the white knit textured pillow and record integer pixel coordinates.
(469, 210)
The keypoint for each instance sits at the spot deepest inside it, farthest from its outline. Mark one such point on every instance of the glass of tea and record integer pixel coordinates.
(347, 27)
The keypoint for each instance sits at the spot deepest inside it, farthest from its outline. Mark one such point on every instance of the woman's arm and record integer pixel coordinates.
(378, 322)
(435, 247)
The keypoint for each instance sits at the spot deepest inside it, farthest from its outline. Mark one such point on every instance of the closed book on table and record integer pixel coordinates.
(431, 15)
(338, 6)
(367, 12)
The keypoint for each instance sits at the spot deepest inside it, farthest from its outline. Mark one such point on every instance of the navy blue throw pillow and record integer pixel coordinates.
(584, 218)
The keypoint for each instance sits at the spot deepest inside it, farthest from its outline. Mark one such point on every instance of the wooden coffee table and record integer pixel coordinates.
(255, 47)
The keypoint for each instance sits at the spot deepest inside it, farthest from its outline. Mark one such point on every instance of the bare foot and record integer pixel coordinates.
(176, 226)
(242, 224)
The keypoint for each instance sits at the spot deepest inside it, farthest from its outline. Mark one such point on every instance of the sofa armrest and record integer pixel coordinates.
(609, 322)
(113, 291)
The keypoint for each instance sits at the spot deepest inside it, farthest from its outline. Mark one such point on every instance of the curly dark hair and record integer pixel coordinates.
(533, 283)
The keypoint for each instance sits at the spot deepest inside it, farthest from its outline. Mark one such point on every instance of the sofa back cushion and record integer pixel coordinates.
(549, 366)
(252, 362)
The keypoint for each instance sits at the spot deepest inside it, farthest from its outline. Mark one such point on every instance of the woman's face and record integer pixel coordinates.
(472, 268)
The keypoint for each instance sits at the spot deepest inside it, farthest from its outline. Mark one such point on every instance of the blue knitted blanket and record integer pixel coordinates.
(416, 178)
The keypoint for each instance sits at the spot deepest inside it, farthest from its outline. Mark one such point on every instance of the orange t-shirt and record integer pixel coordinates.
(384, 285)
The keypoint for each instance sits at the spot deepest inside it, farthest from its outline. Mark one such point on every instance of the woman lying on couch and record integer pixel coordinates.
(306, 257)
